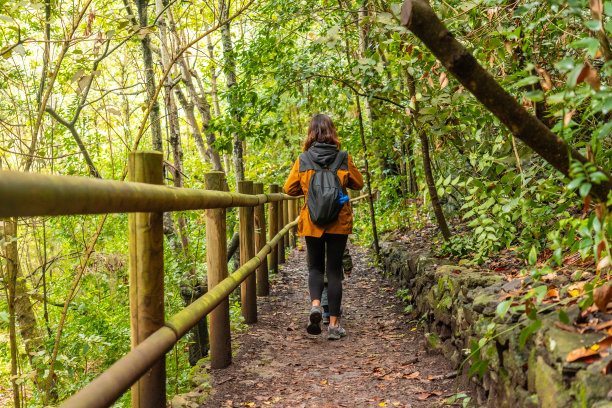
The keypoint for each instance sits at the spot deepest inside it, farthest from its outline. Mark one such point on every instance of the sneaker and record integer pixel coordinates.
(314, 320)
(325, 318)
(335, 332)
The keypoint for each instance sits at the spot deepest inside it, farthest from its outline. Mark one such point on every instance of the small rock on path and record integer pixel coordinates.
(383, 361)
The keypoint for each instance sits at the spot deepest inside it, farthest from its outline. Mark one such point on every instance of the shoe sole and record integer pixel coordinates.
(314, 327)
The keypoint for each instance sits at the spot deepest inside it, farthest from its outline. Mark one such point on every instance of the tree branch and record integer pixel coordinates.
(70, 126)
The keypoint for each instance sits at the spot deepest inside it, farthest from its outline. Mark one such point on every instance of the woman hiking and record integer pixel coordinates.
(325, 234)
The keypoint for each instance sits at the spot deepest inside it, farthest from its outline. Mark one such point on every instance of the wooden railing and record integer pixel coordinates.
(143, 368)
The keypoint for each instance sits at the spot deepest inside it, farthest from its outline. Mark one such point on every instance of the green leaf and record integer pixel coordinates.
(591, 44)
(565, 64)
(563, 317)
(598, 177)
(530, 80)
(528, 331)
(4, 317)
(593, 25)
(535, 96)
(575, 183)
(533, 256)
(503, 307)
(540, 292)
(585, 188)
(572, 78)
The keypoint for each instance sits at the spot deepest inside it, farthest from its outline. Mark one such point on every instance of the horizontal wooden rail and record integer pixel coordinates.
(105, 389)
(31, 194)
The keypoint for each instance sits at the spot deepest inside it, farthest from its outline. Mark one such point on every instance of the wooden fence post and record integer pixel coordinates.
(291, 218)
(146, 266)
(263, 286)
(273, 220)
(286, 221)
(216, 265)
(296, 206)
(248, 293)
(281, 242)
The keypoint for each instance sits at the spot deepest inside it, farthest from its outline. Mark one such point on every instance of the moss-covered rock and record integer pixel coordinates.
(552, 392)
(457, 305)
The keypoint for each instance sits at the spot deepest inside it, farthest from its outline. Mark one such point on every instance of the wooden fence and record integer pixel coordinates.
(143, 368)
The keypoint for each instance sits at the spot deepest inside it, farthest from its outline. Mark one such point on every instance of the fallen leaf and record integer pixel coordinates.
(602, 296)
(411, 375)
(552, 293)
(382, 404)
(424, 396)
(443, 80)
(579, 353)
(583, 352)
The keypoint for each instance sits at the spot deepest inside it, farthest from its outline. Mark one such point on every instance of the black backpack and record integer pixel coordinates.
(323, 190)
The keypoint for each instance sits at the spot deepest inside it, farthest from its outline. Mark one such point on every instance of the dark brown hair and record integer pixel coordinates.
(322, 130)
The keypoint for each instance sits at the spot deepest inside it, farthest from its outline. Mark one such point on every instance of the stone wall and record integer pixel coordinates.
(458, 304)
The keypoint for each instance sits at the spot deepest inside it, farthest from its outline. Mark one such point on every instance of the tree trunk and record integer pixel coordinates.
(201, 103)
(431, 184)
(368, 182)
(431, 187)
(230, 79)
(10, 280)
(196, 135)
(412, 181)
(150, 83)
(30, 331)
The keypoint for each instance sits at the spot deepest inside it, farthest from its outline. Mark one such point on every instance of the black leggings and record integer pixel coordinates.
(335, 244)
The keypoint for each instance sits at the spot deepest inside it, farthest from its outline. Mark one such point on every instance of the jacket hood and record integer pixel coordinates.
(323, 154)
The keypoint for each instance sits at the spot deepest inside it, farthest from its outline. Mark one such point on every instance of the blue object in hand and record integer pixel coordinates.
(342, 198)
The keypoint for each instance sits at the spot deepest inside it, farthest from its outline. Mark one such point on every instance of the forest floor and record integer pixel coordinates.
(383, 361)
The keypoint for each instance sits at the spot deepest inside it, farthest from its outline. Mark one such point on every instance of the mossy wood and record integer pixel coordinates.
(273, 220)
(281, 244)
(248, 292)
(216, 266)
(30, 194)
(146, 268)
(286, 240)
(292, 214)
(263, 286)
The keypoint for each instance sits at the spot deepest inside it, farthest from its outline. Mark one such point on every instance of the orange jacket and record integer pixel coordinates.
(297, 184)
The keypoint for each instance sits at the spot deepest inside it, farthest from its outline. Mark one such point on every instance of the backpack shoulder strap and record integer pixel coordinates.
(339, 160)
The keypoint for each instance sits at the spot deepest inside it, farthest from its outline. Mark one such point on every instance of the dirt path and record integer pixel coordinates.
(383, 361)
